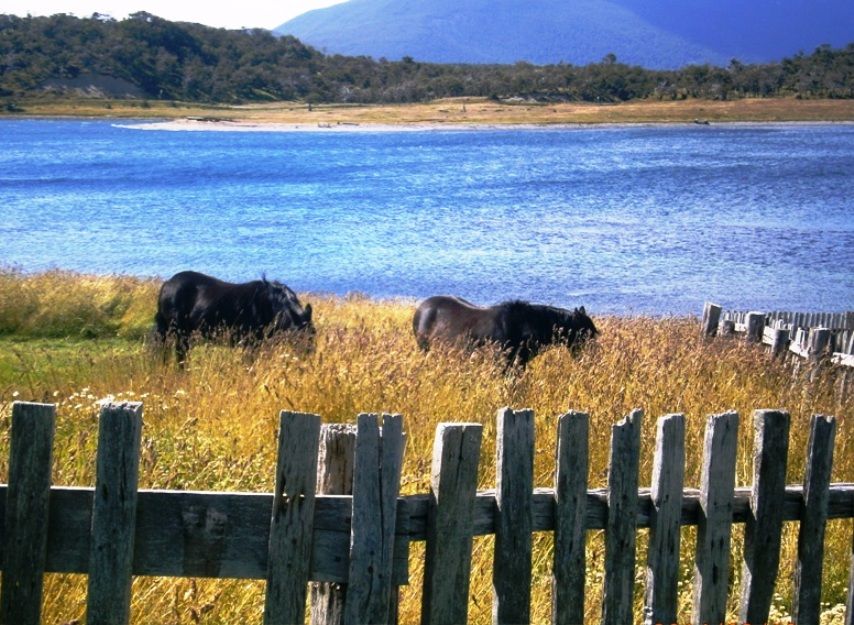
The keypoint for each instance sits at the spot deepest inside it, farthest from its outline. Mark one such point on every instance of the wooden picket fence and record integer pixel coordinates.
(808, 335)
(352, 548)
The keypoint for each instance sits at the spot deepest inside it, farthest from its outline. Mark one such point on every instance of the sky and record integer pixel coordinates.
(247, 13)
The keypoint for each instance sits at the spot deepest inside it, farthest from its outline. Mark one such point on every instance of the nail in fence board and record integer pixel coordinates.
(621, 530)
(764, 527)
(114, 514)
(808, 571)
(450, 528)
(376, 484)
(511, 575)
(27, 506)
(714, 527)
(662, 568)
(336, 456)
(292, 519)
(570, 508)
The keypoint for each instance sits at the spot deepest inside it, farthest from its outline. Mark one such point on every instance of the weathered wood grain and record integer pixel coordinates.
(376, 483)
(621, 530)
(808, 570)
(570, 499)
(447, 565)
(292, 519)
(662, 564)
(27, 508)
(755, 325)
(764, 527)
(336, 457)
(711, 568)
(511, 575)
(711, 318)
(114, 514)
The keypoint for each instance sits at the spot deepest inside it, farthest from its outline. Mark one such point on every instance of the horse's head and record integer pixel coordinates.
(574, 327)
(283, 311)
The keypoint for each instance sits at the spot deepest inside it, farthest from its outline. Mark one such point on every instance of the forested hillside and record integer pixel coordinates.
(148, 57)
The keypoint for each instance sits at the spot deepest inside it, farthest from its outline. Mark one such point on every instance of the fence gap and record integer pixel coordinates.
(714, 525)
(292, 519)
(27, 509)
(808, 570)
(511, 575)
(621, 525)
(662, 568)
(450, 529)
(376, 485)
(572, 462)
(764, 526)
(114, 514)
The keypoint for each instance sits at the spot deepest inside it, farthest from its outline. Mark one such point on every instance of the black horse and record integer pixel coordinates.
(193, 303)
(518, 327)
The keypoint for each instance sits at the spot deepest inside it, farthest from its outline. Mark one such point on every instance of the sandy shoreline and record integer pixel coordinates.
(196, 125)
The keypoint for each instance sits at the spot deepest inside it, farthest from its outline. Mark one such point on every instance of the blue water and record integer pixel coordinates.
(642, 219)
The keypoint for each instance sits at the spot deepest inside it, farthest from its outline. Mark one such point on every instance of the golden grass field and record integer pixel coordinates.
(456, 111)
(74, 339)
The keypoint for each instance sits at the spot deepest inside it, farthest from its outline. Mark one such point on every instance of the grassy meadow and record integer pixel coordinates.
(74, 339)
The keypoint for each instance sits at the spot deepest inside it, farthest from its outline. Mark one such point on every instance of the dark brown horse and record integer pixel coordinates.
(192, 303)
(519, 328)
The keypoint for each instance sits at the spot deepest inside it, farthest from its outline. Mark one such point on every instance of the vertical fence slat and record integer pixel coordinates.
(755, 326)
(714, 527)
(570, 508)
(621, 525)
(447, 566)
(292, 519)
(334, 477)
(114, 514)
(27, 509)
(763, 531)
(376, 485)
(662, 568)
(711, 318)
(849, 601)
(808, 571)
(511, 575)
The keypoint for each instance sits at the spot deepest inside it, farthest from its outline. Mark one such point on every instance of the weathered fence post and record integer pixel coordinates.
(763, 531)
(662, 569)
(570, 508)
(755, 323)
(621, 525)
(447, 565)
(780, 342)
(114, 514)
(817, 342)
(376, 485)
(292, 519)
(511, 575)
(807, 607)
(27, 509)
(711, 318)
(337, 452)
(714, 527)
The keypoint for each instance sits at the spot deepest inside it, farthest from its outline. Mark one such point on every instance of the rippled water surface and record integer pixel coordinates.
(642, 219)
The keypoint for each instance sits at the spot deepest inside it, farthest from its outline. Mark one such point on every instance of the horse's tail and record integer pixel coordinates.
(421, 323)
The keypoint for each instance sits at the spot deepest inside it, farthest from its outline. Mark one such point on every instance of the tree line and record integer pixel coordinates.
(191, 62)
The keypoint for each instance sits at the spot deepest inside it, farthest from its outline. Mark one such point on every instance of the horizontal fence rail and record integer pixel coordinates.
(808, 335)
(351, 550)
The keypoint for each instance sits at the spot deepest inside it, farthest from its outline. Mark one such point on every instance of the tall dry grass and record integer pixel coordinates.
(213, 426)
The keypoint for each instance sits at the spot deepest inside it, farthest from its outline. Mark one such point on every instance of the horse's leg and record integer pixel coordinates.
(182, 346)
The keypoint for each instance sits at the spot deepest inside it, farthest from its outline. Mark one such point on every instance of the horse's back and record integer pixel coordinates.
(446, 318)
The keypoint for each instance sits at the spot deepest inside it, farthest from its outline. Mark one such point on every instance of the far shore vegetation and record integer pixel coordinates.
(152, 64)
(449, 111)
(73, 339)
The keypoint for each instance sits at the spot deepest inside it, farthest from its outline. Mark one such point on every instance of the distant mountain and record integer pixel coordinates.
(652, 33)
